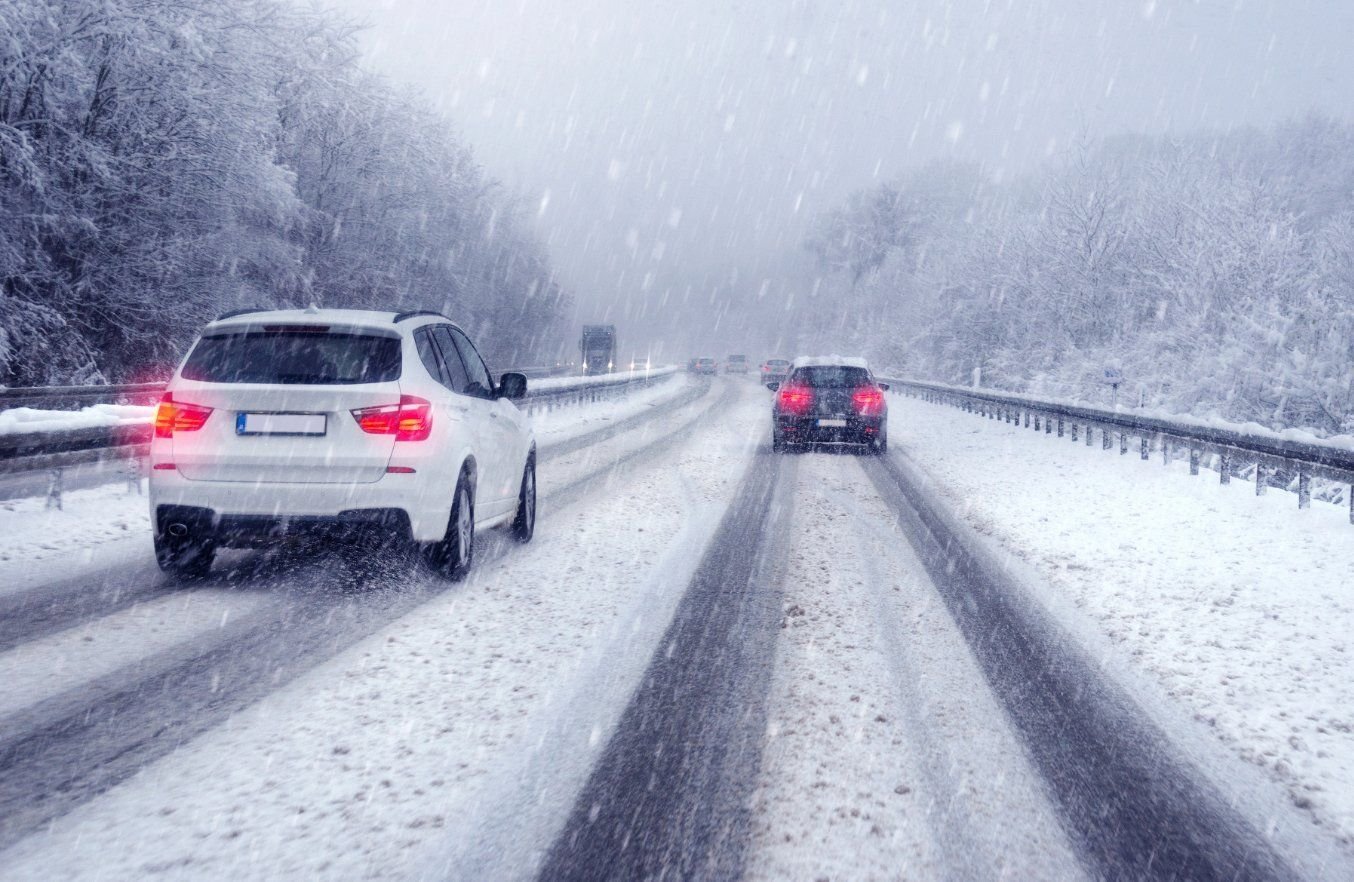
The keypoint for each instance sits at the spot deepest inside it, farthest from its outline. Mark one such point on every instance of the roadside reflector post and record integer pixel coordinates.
(1304, 487)
(1225, 469)
(1194, 460)
(131, 470)
(55, 479)
(1259, 479)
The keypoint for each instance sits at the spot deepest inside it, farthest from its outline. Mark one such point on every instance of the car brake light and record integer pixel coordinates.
(796, 399)
(867, 400)
(178, 416)
(410, 420)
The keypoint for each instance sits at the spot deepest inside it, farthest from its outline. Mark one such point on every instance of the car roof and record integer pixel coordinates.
(830, 361)
(375, 319)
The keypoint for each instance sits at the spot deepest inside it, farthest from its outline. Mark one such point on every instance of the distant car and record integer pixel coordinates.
(829, 400)
(347, 423)
(736, 364)
(775, 369)
(691, 365)
(707, 365)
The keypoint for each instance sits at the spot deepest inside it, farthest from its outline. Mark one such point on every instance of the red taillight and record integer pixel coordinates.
(178, 416)
(410, 420)
(796, 399)
(867, 400)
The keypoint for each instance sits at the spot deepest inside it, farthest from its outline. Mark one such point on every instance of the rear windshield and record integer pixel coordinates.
(832, 376)
(294, 358)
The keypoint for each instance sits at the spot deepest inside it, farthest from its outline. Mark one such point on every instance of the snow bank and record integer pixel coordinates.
(551, 383)
(20, 420)
(1235, 606)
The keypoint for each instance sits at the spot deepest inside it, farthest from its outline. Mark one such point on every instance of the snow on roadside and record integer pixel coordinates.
(547, 383)
(564, 423)
(17, 420)
(1235, 605)
(887, 755)
(89, 519)
(404, 753)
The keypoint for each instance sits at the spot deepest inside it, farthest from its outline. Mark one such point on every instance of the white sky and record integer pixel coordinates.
(669, 143)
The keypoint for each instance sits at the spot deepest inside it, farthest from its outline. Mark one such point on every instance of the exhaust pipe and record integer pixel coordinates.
(178, 531)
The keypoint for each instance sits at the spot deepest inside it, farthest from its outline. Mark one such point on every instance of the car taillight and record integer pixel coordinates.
(796, 399)
(178, 416)
(410, 420)
(867, 400)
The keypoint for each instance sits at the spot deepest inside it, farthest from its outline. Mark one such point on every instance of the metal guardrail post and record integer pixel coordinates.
(55, 479)
(1304, 487)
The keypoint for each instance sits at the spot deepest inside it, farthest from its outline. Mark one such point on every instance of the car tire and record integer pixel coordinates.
(524, 525)
(453, 556)
(184, 559)
(879, 446)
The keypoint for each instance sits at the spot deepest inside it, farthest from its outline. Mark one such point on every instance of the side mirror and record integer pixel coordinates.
(773, 386)
(884, 386)
(512, 386)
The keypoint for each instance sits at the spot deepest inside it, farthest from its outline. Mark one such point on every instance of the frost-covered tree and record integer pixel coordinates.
(1216, 273)
(164, 160)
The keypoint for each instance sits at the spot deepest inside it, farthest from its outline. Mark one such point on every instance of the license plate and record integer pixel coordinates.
(280, 424)
(832, 424)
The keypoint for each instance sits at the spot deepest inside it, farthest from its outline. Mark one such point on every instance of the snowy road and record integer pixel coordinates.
(714, 662)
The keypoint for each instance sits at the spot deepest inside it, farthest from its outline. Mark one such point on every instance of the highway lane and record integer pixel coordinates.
(64, 750)
(1061, 775)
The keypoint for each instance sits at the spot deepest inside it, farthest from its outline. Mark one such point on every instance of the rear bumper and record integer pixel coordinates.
(356, 526)
(805, 430)
(271, 509)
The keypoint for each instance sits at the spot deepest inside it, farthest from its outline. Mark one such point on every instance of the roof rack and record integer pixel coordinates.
(399, 317)
(234, 312)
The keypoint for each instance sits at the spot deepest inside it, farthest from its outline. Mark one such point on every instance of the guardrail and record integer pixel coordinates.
(58, 449)
(1277, 461)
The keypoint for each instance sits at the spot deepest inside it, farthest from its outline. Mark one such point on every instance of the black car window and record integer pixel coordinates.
(832, 376)
(431, 358)
(460, 380)
(481, 383)
(294, 357)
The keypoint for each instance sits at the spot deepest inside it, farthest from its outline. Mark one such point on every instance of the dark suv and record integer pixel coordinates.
(829, 400)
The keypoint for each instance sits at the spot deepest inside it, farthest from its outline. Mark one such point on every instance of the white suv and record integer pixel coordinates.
(346, 422)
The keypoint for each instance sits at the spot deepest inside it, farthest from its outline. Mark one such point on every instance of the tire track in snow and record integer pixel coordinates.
(669, 796)
(887, 756)
(1133, 807)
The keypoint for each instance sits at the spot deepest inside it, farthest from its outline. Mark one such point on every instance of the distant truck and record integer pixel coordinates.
(598, 346)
